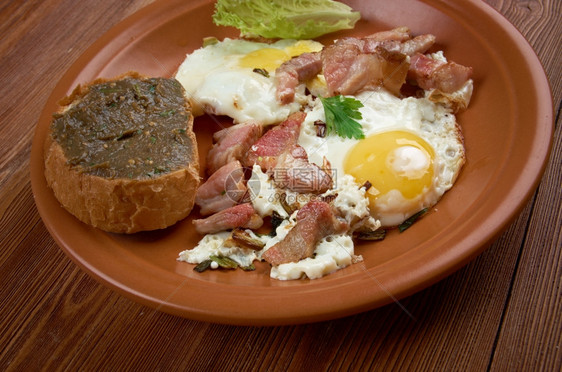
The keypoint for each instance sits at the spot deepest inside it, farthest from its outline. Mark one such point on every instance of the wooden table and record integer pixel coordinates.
(501, 312)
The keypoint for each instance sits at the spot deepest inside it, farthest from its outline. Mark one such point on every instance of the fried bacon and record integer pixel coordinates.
(315, 221)
(223, 189)
(242, 215)
(275, 142)
(352, 65)
(291, 73)
(277, 153)
(431, 73)
(294, 172)
(348, 70)
(232, 143)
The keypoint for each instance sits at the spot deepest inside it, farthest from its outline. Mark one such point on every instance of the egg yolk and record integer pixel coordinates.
(268, 59)
(396, 160)
(271, 58)
(303, 46)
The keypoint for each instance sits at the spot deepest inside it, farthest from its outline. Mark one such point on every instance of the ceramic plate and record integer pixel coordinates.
(507, 128)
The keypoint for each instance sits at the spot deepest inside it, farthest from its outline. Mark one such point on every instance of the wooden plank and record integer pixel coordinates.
(531, 332)
(531, 335)
(500, 312)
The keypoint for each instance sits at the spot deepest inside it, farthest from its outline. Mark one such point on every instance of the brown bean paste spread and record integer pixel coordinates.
(129, 128)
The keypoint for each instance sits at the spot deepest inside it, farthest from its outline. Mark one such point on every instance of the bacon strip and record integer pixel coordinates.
(293, 171)
(419, 44)
(291, 73)
(232, 144)
(354, 64)
(348, 70)
(397, 40)
(277, 152)
(223, 189)
(275, 142)
(400, 34)
(430, 74)
(314, 221)
(242, 215)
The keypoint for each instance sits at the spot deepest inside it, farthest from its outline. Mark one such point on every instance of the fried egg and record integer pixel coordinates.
(236, 78)
(411, 154)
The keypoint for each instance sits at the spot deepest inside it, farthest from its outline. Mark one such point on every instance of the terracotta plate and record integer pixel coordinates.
(508, 131)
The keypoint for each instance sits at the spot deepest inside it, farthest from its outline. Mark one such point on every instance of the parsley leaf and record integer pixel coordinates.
(340, 113)
(410, 221)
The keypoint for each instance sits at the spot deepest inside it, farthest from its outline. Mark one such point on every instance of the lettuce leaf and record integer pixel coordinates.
(286, 19)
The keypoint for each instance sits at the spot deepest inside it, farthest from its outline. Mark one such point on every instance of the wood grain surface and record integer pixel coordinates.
(501, 312)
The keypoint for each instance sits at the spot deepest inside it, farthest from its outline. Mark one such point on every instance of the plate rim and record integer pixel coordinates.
(399, 290)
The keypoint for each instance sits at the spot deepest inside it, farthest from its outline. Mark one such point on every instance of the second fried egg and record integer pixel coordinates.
(411, 155)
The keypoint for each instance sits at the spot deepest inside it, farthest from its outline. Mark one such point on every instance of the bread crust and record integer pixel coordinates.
(121, 205)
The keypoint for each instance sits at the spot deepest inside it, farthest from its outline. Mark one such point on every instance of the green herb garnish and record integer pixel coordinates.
(375, 235)
(261, 71)
(203, 266)
(137, 90)
(248, 268)
(167, 113)
(108, 90)
(410, 221)
(225, 262)
(341, 114)
(210, 40)
(160, 170)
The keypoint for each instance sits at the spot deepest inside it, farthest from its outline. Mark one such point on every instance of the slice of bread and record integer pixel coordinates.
(121, 154)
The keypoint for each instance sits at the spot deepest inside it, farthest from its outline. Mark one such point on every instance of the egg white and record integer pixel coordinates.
(384, 112)
(217, 82)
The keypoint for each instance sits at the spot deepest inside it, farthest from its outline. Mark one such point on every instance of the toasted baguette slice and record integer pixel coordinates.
(106, 176)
